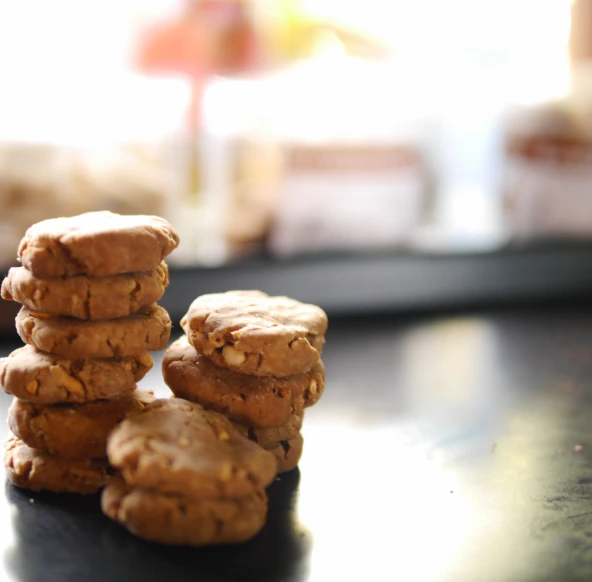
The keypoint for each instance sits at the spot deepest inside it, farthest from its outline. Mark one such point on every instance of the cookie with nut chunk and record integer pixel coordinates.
(97, 244)
(180, 520)
(73, 430)
(177, 447)
(85, 297)
(148, 329)
(249, 400)
(252, 333)
(44, 378)
(36, 470)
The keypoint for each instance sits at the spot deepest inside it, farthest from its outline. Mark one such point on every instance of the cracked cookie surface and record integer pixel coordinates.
(256, 401)
(72, 430)
(148, 329)
(180, 520)
(175, 446)
(287, 453)
(29, 468)
(45, 378)
(96, 243)
(252, 333)
(271, 436)
(84, 297)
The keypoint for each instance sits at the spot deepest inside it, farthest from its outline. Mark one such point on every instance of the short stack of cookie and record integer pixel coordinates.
(186, 476)
(256, 360)
(88, 286)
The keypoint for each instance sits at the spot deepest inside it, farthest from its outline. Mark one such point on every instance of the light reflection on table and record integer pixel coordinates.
(442, 450)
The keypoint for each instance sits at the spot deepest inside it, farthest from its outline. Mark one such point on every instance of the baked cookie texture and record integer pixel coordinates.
(272, 435)
(254, 401)
(179, 473)
(186, 476)
(178, 447)
(174, 519)
(43, 378)
(252, 333)
(149, 329)
(257, 360)
(88, 286)
(41, 471)
(287, 453)
(72, 430)
(97, 244)
(84, 297)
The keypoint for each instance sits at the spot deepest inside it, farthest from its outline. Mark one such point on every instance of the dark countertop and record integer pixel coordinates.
(442, 450)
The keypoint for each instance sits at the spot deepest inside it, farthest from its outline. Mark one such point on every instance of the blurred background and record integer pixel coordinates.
(359, 154)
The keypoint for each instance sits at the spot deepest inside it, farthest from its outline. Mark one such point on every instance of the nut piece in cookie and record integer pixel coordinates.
(40, 471)
(97, 244)
(175, 519)
(149, 329)
(85, 297)
(252, 333)
(177, 447)
(72, 430)
(250, 400)
(44, 378)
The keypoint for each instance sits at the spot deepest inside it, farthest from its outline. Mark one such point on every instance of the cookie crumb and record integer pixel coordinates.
(451, 491)
(578, 449)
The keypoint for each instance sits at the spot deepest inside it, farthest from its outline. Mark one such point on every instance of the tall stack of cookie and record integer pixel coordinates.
(88, 286)
(255, 359)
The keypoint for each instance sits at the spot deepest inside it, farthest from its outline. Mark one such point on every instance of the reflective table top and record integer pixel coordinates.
(445, 448)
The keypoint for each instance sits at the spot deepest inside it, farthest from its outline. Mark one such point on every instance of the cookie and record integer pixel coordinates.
(84, 297)
(97, 244)
(252, 333)
(149, 329)
(40, 471)
(44, 378)
(174, 519)
(72, 430)
(250, 400)
(266, 437)
(177, 447)
(287, 453)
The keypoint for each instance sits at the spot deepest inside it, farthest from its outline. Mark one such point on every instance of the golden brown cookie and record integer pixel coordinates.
(252, 333)
(97, 244)
(40, 471)
(72, 430)
(174, 519)
(271, 436)
(84, 297)
(250, 400)
(149, 329)
(44, 378)
(177, 447)
(287, 453)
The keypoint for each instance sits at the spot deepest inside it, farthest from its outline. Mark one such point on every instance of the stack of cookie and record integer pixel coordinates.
(255, 359)
(88, 286)
(186, 476)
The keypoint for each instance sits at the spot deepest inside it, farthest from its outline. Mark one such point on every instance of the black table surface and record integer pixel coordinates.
(445, 448)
